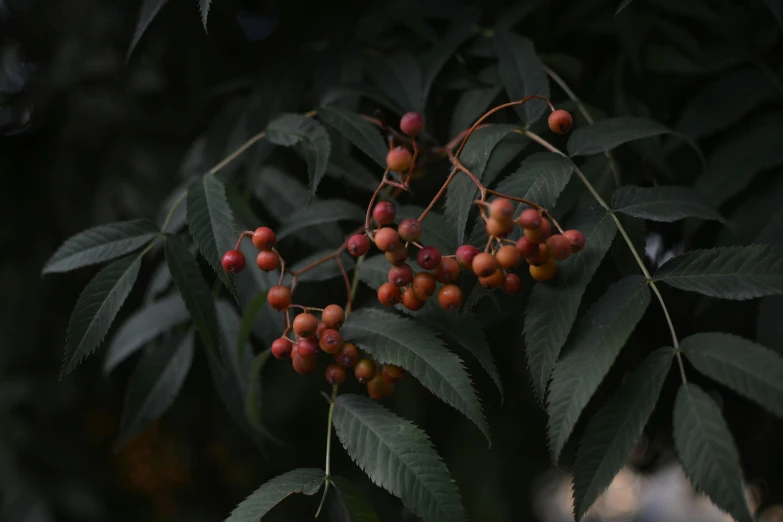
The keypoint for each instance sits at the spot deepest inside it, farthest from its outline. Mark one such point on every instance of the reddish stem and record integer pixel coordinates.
(246, 233)
(439, 194)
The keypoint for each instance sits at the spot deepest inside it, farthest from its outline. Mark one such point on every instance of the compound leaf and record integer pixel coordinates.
(662, 203)
(607, 134)
(304, 480)
(522, 74)
(320, 212)
(359, 131)
(357, 506)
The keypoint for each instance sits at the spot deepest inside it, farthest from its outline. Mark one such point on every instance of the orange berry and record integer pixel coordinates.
(331, 341)
(409, 230)
(305, 325)
(484, 264)
(492, 281)
(333, 316)
(530, 218)
(264, 238)
(392, 373)
(501, 209)
(399, 159)
(508, 257)
(387, 239)
(335, 374)
(465, 255)
(358, 245)
(268, 260)
(526, 247)
(384, 213)
(302, 364)
(559, 247)
(279, 297)
(541, 234)
(498, 228)
(401, 275)
(281, 348)
(560, 121)
(397, 256)
(378, 388)
(447, 271)
(347, 356)
(541, 257)
(410, 301)
(450, 297)
(364, 370)
(576, 238)
(307, 346)
(389, 294)
(544, 272)
(423, 285)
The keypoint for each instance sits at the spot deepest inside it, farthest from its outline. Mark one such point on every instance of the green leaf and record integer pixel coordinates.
(552, 307)
(358, 508)
(295, 129)
(776, 6)
(397, 456)
(613, 432)
(623, 5)
(258, 504)
(154, 385)
(728, 272)
(149, 10)
(374, 271)
(194, 291)
(707, 451)
(159, 282)
(96, 309)
(514, 14)
(366, 136)
(320, 212)
(769, 327)
(662, 203)
(607, 134)
(101, 243)
(471, 104)
(392, 339)
(253, 396)
(438, 54)
(522, 74)
(435, 231)
(143, 326)
(597, 339)
(203, 6)
(248, 321)
(400, 78)
(211, 223)
(744, 366)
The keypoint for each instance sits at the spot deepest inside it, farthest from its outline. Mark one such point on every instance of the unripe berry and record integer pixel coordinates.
(378, 388)
(450, 297)
(389, 294)
(268, 260)
(526, 247)
(501, 209)
(429, 258)
(364, 371)
(493, 281)
(541, 257)
(560, 121)
(508, 257)
(333, 316)
(347, 356)
(387, 239)
(335, 374)
(576, 238)
(233, 261)
(392, 373)
(484, 264)
(279, 297)
(401, 275)
(410, 301)
(498, 228)
(409, 230)
(530, 219)
(358, 245)
(304, 365)
(447, 271)
(412, 123)
(559, 247)
(511, 284)
(544, 272)
(321, 329)
(399, 159)
(281, 348)
(423, 285)
(384, 213)
(307, 346)
(305, 325)
(541, 234)
(264, 238)
(465, 255)
(397, 256)
(331, 341)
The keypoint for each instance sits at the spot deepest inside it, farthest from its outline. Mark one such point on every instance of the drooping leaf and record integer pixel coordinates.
(96, 309)
(435, 230)
(258, 504)
(437, 55)
(769, 327)
(738, 273)
(707, 451)
(295, 129)
(101, 243)
(248, 319)
(522, 74)
(623, 5)
(551, 307)
(471, 105)
(203, 6)
(149, 10)
(597, 340)
(392, 339)
(776, 6)
(662, 203)
(143, 326)
(607, 134)
(159, 282)
(356, 505)
(359, 131)
(397, 456)
(318, 213)
(211, 223)
(194, 291)
(154, 385)
(612, 433)
(744, 366)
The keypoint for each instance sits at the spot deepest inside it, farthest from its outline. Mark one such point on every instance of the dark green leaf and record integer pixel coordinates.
(348, 170)
(769, 327)
(515, 14)
(253, 397)
(318, 213)
(358, 508)
(522, 74)
(149, 10)
(607, 134)
(728, 272)
(258, 504)
(662, 203)
(366, 136)
(623, 5)
(438, 54)
(160, 281)
(101, 243)
(203, 6)
(707, 451)
(397, 456)
(374, 271)
(248, 320)
(776, 6)
(509, 148)
(400, 78)
(471, 105)
(613, 432)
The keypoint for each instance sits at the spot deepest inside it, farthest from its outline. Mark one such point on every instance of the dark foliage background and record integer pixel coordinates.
(88, 138)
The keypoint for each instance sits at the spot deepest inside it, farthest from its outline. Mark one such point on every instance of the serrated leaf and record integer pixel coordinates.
(662, 203)
(366, 136)
(522, 74)
(744, 366)
(348, 170)
(551, 307)
(374, 271)
(607, 134)
(101, 243)
(707, 451)
(194, 291)
(597, 340)
(203, 6)
(211, 223)
(769, 327)
(320, 212)
(397, 456)
(159, 282)
(143, 326)
(392, 339)
(776, 6)
(400, 78)
(248, 321)
(154, 385)
(439, 53)
(304, 480)
(471, 104)
(149, 10)
(623, 5)
(613, 432)
(96, 309)
(434, 232)
(355, 504)
(739, 273)
(509, 148)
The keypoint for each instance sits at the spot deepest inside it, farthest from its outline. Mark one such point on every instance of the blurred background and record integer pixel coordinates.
(90, 135)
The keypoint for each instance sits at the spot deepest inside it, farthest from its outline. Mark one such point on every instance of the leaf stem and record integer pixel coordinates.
(328, 465)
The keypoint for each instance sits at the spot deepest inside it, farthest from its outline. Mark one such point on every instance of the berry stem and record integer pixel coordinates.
(246, 233)
(328, 465)
(372, 201)
(439, 194)
(354, 286)
(347, 280)
(413, 161)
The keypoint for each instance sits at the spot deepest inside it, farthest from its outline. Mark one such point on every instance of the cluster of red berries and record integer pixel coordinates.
(399, 158)
(264, 239)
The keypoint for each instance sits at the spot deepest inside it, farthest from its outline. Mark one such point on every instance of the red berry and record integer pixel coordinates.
(307, 346)
(409, 230)
(484, 264)
(429, 258)
(268, 260)
(387, 239)
(423, 285)
(397, 256)
(305, 325)
(364, 370)
(560, 121)
(541, 234)
(389, 294)
(384, 213)
(304, 365)
(264, 238)
(498, 228)
(233, 261)
(333, 316)
(447, 271)
(450, 297)
(331, 341)
(347, 356)
(526, 247)
(495, 280)
(392, 373)
(501, 209)
(401, 275)
(508, 257)
(541, 257)
(545, 271)
(378, 388)
(399, 159)
(559, 247)
(321, 329)
(465, 255)
(358, 245)
(576, 238)
(530, 219)
(279, 297)
(281, 348)
(412, 123)
(511, 284)
(335, 374)
(410, 301)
